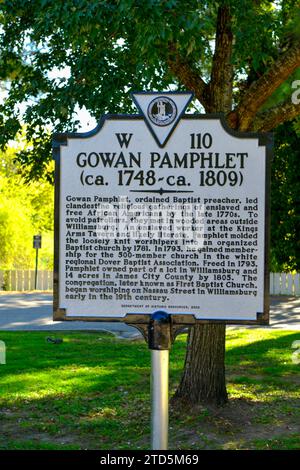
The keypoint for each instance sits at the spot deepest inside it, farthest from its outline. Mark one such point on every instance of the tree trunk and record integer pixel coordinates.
(203, 379)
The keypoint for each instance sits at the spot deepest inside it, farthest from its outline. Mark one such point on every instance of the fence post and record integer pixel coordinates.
(277, 286)
(297, 284)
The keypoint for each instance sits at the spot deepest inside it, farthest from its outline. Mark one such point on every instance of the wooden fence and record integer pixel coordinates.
(24, 280)
(284, 284)
(280, 283)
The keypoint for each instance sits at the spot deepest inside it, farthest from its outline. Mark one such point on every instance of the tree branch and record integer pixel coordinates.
(185, 73)
(263, 88)
(267, 120)
(220, 87)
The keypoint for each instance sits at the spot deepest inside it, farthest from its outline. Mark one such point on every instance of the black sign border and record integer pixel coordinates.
(179, 321)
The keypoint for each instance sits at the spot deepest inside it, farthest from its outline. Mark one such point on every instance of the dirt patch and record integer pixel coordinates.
(235, 425)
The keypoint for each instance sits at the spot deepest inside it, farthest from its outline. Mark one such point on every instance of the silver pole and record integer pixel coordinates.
(160, 399)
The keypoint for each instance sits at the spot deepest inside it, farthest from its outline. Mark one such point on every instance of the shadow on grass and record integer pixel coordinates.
(92, 390)
(82, 363)
(271, 356)
(87, 362)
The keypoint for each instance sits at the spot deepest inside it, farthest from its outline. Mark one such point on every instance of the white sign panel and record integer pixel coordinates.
(161, 210)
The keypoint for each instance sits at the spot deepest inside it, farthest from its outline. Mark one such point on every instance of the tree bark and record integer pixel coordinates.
(220, 86)
(203, 379)
(261, 89)
(183, 70)
(272, 117)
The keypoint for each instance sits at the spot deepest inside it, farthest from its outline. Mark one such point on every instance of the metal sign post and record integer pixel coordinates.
(37, 243)
(159, 341)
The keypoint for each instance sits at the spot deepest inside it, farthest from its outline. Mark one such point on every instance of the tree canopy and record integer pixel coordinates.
(238, 56)
(25, 210)
(285, 201)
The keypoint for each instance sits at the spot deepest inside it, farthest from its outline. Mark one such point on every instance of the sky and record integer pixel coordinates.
(87, 122)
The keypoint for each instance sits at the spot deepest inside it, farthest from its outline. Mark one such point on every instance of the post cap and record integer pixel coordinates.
(159, 337)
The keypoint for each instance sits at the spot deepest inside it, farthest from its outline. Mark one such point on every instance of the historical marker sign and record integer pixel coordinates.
(37, 241)
(162, 210)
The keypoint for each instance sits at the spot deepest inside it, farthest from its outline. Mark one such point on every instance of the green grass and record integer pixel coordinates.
(283, 443)
(92, 392)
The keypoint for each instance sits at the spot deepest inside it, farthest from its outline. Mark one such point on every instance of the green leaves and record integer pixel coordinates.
(25, 209)
(285, 201)
(108, 49)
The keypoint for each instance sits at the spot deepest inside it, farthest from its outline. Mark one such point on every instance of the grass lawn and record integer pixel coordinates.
(92, 392)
